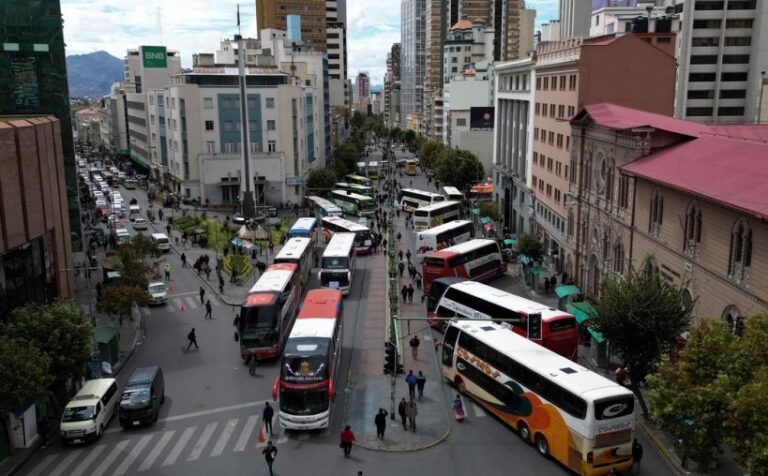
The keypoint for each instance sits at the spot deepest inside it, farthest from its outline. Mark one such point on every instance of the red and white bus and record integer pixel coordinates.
(463, 299)
(310, 361)
(267, 315)
(443, 236)
(478, 260)
(363, 241)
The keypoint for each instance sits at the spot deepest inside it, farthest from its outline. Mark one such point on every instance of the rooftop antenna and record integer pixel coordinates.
(160, 23)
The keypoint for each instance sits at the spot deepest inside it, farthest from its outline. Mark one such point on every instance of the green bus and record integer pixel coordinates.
(359, 179)
(360, 167)
(355, 188)
(353, 204)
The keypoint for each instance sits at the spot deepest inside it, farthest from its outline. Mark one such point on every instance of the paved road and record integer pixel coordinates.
(211, 420)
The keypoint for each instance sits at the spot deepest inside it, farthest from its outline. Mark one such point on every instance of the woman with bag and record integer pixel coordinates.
(347, 437)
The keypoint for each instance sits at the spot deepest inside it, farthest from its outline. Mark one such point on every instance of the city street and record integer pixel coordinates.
(211, 421)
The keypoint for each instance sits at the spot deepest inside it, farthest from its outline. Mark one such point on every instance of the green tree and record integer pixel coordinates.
(409, 137)
(459, 168)
(24, 375)
(59, 330)
(143, 247)
(357, 120)
(491, 210)
(430, 151)
(530, 246)
(346, 158)
(133, 271)
(642, 315)
(117, 300)
(320, 182)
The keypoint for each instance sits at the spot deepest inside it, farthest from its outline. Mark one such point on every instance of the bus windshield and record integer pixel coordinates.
(305, 360)
(335, 262)
(303, 402)
(258, 324)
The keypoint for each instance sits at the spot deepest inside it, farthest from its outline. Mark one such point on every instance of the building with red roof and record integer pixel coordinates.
(686, 199)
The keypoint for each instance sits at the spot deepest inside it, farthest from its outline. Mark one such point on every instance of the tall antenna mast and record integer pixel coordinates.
(160, 23)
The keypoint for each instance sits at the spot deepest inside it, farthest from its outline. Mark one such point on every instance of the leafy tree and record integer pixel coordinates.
(409, 136)
(430, 151)
(418, 142)
(491, 210)
(346, 158)
(320, 181)
(747, 426)
(143, 247)
(117, 300)
(59, 330)
(357, 119)
(133, 271)
(24, 375)
(395, 134)
(642, 315)
(530, 245)
(459, 168)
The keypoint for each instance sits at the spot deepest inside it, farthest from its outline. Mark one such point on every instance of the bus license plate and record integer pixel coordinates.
(77, 441)
(135, 423)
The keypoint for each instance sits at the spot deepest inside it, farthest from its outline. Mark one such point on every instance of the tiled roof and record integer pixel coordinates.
(623, 118)
(462, 25)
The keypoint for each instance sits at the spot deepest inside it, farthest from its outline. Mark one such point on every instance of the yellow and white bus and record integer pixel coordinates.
(412, 198)
(300, 251)
(435, 215)
(410, 167)
(373, 170)
(571, 414)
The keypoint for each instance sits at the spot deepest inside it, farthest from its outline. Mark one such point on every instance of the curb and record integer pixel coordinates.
(668, 456)
(436, 442)
(117, 368)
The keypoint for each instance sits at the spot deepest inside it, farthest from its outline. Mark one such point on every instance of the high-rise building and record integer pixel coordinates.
(474, 9)
(574, 18)
(274, 14)
(433, 83)
(412, 39)
(33, 80)
(363, 90)
(722, 72)
(392, 88)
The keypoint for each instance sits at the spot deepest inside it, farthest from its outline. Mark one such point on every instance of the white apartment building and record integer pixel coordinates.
(574, 18)
(514, 97)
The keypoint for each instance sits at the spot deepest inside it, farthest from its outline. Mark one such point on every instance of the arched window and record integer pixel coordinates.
(657, 213)
(606, 244)
(692, 227)
(618, 258)
(741, 248)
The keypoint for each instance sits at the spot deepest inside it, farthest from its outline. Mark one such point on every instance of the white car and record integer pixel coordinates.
(158, 294)
(101, 203)
(140, 223)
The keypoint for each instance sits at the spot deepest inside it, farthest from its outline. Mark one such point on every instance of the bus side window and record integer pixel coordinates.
(449, 342)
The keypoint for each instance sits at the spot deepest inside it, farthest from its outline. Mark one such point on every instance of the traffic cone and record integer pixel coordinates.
(262, 438)
(182, 308)
(170, 289)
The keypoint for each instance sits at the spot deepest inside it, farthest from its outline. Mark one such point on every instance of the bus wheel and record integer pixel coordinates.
(525, 433)
(542, 445)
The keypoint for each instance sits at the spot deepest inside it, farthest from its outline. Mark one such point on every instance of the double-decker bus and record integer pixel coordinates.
(337, 266)
(373, 170)
(325, 208)
(300, 251)
(412, 198)
(435, 215)
(359, 179)
(460, 298)
(355, 188)
(360, 168)
(353, 204)
(410, 167)
(267, 315)
(442, 236)
(305, 386)
(453, 193)
(569, 413)
(363, 242)
(478, 260)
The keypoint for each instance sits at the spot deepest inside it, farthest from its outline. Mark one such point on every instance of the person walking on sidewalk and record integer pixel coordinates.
(208, 310)
(221, 284)
(415, 342)
(167, 269)
(381, 423)
(410, 379)
(399, 235)
(411, 411)
(421, 381)
(637, 454)
(184, 263)
(202, 294)
(417, 280)
(404, 292)
(192, 339)
(270, 453)
(347, 437)
(400, 269)
(401, 411)
(267, 416)
(408, 255)
(271, 247)
(400, 255)
(410, 293)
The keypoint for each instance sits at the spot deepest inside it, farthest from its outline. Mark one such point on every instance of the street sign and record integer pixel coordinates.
(154, 56)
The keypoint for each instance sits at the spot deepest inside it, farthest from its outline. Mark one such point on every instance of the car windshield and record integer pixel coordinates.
(157, 288)
(78, 414)
(135, 396)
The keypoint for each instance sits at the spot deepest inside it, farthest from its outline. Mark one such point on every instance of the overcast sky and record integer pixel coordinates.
(197, 26)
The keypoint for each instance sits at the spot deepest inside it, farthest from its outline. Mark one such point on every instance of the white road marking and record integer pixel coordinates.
(197, 450)
(283, 437)
(135, 452)
(183, 294)
(192, 302)
(43, 464)
(92, 455)
(226, 434)
(245, 435)
(479, 412)
(111, 457)
(179, 446)
(186, 416)
(67, 461)
(159, 447)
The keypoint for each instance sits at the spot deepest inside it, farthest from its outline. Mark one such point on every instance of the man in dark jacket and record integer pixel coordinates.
(381, 423)
(267, 415)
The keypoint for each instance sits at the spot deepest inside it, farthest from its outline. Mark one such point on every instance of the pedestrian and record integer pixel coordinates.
(381, 423)
(401, 411)
(271, 247)
(167, 268)
(184, 263)
(400, 255)
(421, 380)
(410, 379)
(418, 280)
(404, 292)
(637, 454)
(202, 294)
(208, 310)
(192, 339)
(411, 411)
(221, 284)
(267, 415)
(168, 229)
(410, 293)
(399, 235)
(621, 374)
(415, 342)
(347, 437)
(553, 282)
(401, 268)
(408, 255)
(207, 272)
(270, 453)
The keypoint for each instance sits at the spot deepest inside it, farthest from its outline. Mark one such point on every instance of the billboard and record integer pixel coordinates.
(481, 118)
(154, 56)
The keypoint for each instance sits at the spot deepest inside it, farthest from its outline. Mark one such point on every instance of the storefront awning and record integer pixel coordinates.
(485, 220)
(104, 334)
(599, 338)
(510, 242)
(582, 311)
(566, 290)
(540, 270)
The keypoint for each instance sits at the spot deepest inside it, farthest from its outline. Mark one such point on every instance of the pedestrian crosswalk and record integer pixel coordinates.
(187, 303)
(136, 453)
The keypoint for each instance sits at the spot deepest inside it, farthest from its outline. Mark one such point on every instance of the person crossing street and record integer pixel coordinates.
(202, 295)
(208, 310)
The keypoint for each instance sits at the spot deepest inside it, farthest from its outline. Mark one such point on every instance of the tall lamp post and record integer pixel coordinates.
(249, 207)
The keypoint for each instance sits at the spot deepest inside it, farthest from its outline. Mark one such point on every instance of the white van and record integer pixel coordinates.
(133, 212)
(88, 413)
(162, 241)
(123, 236)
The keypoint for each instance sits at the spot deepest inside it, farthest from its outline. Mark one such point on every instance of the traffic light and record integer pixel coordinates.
(534, 326)
(390, 359)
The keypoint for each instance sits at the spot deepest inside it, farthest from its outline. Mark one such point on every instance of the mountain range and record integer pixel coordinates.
(92, 75)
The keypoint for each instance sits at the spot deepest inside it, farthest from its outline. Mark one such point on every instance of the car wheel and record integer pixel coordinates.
(525, 433)
(162, 399)
(542, 445)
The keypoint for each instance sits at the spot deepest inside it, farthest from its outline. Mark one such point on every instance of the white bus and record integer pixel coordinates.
(300, 251)
(453, 193)
(443, 236)
(306, 227)
(333, 225)
(353, 204)
(337, 266)
(373, 170)
(325, 208)
(577, 417)
(435, 215)
(411, 198)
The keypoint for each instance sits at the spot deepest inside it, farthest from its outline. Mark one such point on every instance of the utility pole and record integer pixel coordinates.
(249, 207)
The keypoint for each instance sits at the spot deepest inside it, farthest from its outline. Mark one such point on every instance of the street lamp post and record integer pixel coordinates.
(249, 207)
